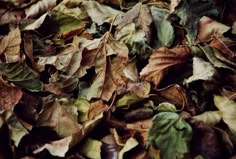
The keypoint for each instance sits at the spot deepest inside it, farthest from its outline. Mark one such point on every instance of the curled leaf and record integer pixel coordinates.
(161, 61)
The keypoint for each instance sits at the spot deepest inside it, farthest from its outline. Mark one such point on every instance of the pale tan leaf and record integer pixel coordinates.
(10, 16)
(227, 110)
(100, 13)
(36, 24)
(129, 145)
(96, 108)
(10, 45)
(56, 148)
(39, 7)
(207, 28)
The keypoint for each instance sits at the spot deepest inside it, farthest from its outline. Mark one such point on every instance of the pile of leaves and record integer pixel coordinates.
(117, 79)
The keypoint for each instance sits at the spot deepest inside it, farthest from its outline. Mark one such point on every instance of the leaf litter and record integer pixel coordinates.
(117, 79)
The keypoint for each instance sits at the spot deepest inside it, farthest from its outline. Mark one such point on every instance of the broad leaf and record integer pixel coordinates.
(207, 28)
(101, 13)
(164, 29)
(143, 17)
(22, 76)
(69, 20)
(39, 7)
(57, 118)
(202, 70)
(190, 12)
(9, 95)
(227, 110)
(171, 134)
(210, 118)
(10, 45)
(161, 61)
(91, 148)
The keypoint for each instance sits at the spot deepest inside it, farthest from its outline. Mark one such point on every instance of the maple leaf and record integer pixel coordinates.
(161, 61)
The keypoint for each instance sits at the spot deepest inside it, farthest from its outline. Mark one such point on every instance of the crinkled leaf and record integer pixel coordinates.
(9, 95)
(100, 13)
(171, 134)
(212, 54)
(57, 118)
(224, 45)
(91, 148)
(166, 107)
(39, 7)
(56, 148)
(128, 99)
(161, 61)
(202, 70)
(37, 23)
(68, 20)
(129, 145)
(207, 28)
(22, 76)
(10, 45)
(227, 109)
(10, 16)
(143, 17)
(190, 12)
(134, 39)
(164, 29)
(210, 118)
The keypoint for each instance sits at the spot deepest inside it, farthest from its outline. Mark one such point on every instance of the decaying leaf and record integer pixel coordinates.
(10, 45)
(9, 95)
(21, 75)
(227, 110)
(190, 12)
(161, 61)
(202, 70)
(164, 29)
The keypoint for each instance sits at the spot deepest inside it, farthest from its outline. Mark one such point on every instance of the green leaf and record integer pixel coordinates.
(91, 148)
(128, 99)
(166, 107)
(213, 56)
(21, 75)
(135, 39)
(191, 11)
(170, 134)
(165, 32)
(68, 19)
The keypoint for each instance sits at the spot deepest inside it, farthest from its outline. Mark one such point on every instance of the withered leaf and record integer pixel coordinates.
(161, 61)
(10, 45)
(10, 95)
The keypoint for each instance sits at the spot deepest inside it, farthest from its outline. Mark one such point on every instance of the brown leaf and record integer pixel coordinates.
(176, 95)
(161, 61)
(10, 45)
(141, 127)
(9, 95)
(96, 108)
(223, 45)
(206, 141)
(143, 15)
(207, 28)
(10, 16)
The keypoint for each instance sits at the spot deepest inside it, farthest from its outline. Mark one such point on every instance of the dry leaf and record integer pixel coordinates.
(10, 95)
(96, 108)
(10, 45)
(161, 61)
